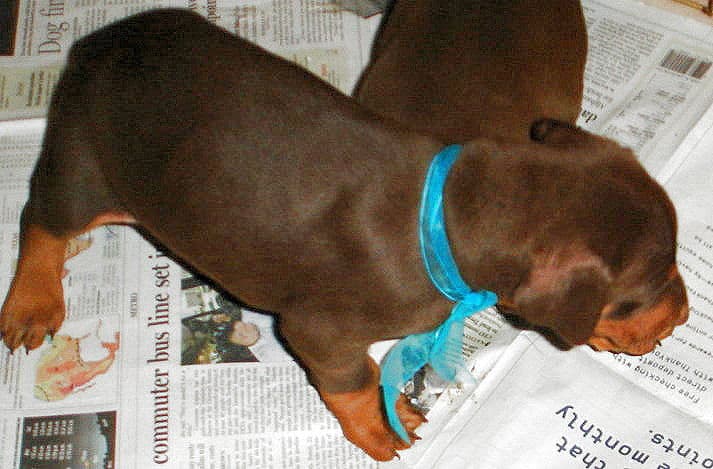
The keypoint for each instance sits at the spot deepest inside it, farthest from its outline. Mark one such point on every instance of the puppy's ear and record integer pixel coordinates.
(565, 292)
(554, 132)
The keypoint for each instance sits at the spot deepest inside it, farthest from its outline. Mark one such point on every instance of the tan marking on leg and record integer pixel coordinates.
(363, 422)
(34, 306)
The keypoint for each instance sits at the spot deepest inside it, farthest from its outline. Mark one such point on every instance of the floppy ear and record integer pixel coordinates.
(564, 292)
(554, 132)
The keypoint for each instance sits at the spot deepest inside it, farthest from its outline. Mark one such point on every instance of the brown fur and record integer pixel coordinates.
(296, 200)
(472, 68)
(514, 72)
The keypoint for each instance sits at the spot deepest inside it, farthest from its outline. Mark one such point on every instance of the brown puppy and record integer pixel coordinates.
(512, 71)
(168, 122)
(471, 68)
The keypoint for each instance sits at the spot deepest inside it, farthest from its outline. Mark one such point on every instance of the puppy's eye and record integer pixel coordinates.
(624, 309)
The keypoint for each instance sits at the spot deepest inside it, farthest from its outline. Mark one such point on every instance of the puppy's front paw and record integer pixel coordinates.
(363, 422)
(410, 417)
(31, 311)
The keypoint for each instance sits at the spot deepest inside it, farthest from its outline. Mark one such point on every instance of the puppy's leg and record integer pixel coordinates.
(348, 382)
(362, 419)
(67, 198)
(34, 306)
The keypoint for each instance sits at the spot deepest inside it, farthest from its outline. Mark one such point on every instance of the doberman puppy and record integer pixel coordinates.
(167, 122)
(465, 69)
(513, 71)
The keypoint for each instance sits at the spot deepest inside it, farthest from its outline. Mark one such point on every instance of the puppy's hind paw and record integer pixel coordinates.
(27, 320)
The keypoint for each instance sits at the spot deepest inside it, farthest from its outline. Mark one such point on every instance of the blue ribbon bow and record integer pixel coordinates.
(442, 347)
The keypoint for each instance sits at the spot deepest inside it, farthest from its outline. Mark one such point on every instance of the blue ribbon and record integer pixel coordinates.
(442, 347)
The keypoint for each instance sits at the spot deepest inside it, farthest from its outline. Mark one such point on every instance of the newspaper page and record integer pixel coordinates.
(544, 408)
(647, 79)
(328, 41)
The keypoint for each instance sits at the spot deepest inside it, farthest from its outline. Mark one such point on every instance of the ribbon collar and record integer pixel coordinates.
(442, 347)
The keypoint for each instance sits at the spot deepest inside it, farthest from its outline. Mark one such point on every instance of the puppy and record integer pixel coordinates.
(514, 72)
(167, 122)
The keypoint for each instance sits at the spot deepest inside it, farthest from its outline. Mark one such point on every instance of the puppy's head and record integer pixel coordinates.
(595, 239)
(584, 298)
(627, 268)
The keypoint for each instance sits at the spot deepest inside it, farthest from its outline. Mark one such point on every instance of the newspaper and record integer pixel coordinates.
(154, 368)
(331, 43)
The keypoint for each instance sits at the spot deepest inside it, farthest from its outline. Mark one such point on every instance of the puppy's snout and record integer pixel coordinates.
(639, 333)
